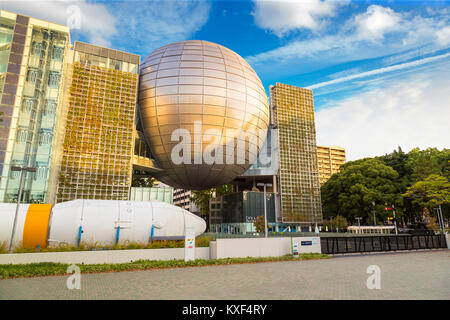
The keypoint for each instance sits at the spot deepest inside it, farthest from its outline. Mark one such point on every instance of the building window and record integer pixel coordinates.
(53, 80)
(28, 105)
(33, 75)
(24, 135)
(58, 53)
(50, 107)
(45, 137)
(37, 49)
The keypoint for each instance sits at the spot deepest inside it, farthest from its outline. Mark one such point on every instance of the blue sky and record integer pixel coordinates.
(379, 70)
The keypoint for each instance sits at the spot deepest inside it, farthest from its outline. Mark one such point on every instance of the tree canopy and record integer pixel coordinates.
(410, 181)
(201, 197)
(431, 192)
(143, 182)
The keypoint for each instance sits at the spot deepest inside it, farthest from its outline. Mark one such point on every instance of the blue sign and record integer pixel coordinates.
(306, 243)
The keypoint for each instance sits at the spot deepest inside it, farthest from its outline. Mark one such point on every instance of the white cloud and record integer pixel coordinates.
(376, 21)
(141, 25)
(280, 17)
(96, 22)
(379, 31)
(380, 71)
(443, 36)
(412, 112)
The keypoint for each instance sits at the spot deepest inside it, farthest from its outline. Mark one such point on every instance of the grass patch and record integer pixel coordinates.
(50, 268)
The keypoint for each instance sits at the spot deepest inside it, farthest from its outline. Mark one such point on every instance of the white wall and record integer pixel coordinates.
(221, 248)
(261, 247)
(103, 256)
(305, 247)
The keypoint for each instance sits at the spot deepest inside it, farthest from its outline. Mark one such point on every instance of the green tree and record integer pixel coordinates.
(201, 197)
(259, 224)
(431, 192)
(351, 192)
(398, 160)
(338, 223)
(143, 182)
(423, 163)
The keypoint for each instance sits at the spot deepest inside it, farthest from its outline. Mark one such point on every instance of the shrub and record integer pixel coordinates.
(4, 247)
(202, 242)
(84, 246)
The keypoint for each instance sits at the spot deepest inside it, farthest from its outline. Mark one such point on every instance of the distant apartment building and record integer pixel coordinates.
(330, 160)
(33, 61)
(182, 198)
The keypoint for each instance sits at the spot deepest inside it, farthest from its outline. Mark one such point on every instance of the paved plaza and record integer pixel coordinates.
(412, 275)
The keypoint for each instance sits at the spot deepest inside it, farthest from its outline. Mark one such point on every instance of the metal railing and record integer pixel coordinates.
(335, 245)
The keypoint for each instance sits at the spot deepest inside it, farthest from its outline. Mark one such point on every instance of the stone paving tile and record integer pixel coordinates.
(413, 275)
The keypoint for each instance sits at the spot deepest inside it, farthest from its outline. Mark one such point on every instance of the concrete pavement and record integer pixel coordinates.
(412, 275)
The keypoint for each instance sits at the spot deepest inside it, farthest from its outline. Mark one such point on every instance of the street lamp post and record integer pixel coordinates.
(359, 223)
(265, 206)
(440, 218)
(22, 175)
(374, 217)
(395, 219)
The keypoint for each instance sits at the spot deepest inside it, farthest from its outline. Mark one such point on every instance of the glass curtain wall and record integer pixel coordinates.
(293, 115)
(32, 56)
(38, 114)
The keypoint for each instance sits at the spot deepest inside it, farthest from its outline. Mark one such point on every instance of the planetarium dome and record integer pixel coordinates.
(212, 93)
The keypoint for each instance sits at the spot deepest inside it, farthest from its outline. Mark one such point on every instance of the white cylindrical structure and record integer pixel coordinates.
(97, 222)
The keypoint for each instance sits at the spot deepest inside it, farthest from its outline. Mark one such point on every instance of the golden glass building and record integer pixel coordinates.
(293, 115)
(33, 58)
(97, 154)
(330, 160)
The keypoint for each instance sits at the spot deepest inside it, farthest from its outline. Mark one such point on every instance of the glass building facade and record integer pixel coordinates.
(243, 206)
(32, 61)
(97, 154)
(293, 115)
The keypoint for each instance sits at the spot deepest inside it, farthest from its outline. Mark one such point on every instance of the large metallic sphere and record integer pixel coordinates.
(198, 81)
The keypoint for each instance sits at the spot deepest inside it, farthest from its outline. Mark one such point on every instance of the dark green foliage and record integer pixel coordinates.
(351, 192)
(431, 192)
(335, 224)
(385, 181)
(201, 197)
(259, 224)
(147, 182)
(202, 241)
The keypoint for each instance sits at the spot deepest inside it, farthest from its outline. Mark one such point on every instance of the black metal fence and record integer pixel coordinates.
(333, 245)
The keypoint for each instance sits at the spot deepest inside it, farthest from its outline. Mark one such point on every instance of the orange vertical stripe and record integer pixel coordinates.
(36, 225)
